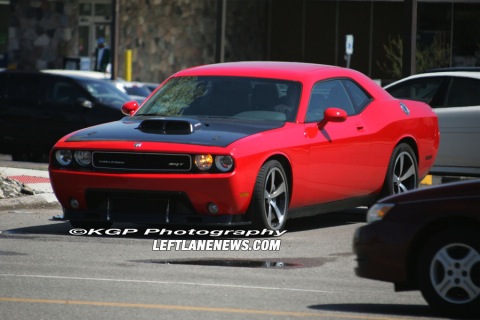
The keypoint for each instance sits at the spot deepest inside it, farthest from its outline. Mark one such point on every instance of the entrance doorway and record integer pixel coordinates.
(95, 17)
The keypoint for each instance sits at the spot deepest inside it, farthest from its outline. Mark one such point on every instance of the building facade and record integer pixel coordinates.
(165, 36)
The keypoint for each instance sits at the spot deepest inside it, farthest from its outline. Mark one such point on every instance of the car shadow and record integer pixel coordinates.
(321, 221)
(328, 220)
(404, 310)
(58, 228)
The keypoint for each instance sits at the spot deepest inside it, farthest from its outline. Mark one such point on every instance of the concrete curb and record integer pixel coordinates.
(42, 200)
(38, 181)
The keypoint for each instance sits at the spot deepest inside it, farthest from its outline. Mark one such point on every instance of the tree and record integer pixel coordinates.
(437, 54)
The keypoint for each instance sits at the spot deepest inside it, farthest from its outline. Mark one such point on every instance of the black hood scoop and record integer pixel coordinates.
(169, 126)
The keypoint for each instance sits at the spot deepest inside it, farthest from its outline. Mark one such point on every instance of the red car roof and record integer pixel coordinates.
(296, 71)
(289, 70)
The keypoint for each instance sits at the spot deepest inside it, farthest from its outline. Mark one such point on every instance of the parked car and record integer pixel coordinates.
(80, 73)
(245, 142)
(150, 85)
(37, 109)
(136, 90)
(428, 240)
(455, 95)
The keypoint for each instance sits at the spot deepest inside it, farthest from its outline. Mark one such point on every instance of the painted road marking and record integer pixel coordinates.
(191, 308)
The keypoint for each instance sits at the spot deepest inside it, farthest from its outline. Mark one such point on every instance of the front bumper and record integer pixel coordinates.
(382, 251)
(152, 198)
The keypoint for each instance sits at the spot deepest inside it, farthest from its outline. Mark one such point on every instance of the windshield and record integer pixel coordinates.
(105, 92)
(226, 97)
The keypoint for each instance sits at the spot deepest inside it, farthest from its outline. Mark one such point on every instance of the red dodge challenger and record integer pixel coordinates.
(245, 143)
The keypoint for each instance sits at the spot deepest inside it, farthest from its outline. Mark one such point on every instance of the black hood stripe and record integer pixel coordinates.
(209, 132)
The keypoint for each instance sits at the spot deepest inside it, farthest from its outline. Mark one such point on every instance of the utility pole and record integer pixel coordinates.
(115, 38)
(221, 25)
(409, 38)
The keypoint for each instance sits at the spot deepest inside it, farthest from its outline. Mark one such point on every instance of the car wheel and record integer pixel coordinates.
(449, 272)
(90, 224)
(402, 172)
(270, 197)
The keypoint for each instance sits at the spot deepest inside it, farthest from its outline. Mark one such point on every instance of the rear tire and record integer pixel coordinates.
(269, 208)
(449, 272)
(402, 172)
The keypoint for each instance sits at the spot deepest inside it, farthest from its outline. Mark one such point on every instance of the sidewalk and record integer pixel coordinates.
(37, 180)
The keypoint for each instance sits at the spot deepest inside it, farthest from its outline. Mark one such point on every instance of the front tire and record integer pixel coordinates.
(449, 272)
(270, 197)
(402, 172)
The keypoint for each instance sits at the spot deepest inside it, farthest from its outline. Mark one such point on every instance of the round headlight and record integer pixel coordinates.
(223, 163)
(204, 161)
(63, 157)
(84, 158)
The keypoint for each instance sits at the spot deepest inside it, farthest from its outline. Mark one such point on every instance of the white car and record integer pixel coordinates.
(455, 96)
(136, 90)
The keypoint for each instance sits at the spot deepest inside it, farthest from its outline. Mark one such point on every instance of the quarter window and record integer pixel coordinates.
(359, 97)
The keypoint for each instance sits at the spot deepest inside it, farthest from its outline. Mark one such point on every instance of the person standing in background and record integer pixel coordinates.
(102, 56)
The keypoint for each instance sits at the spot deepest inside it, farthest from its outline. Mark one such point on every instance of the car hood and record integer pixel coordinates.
(218, 132)
(461, 189)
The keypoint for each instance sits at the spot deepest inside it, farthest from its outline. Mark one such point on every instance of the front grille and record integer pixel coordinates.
(138, 206)
(142, 161)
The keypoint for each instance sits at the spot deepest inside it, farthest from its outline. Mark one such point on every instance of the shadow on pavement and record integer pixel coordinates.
(380, 309)
(328, 220)
(321, 221)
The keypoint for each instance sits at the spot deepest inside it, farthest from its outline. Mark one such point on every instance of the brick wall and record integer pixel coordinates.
(165, 36)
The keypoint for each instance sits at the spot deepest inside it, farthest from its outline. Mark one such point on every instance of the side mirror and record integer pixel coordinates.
(84, 103)
(129, 108)
(332, 115)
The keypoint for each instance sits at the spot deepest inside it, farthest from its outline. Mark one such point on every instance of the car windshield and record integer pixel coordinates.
(105, 92)
(225, 97)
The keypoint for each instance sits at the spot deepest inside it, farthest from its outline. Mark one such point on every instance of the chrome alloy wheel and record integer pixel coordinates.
(404, 173)
(275, 197)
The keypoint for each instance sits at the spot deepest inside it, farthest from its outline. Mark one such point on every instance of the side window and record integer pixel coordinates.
(463, 92)
(22, 89)
(423, 89)
(64, 92)
(328, 94)
(359, 97)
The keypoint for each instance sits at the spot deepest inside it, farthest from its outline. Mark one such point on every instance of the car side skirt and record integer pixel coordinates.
(332, 206)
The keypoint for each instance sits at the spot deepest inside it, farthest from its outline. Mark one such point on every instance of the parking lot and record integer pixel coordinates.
(45, 269)
(49, 268)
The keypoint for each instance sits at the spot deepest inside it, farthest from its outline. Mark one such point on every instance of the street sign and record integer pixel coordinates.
(349, 44)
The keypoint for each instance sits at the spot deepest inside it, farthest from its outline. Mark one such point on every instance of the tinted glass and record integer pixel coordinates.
(463, 92)
(423, 89)
(21, 88)
(64, 92)
(226, 97)
(328, 94)
(105, 92)
(359, 97)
